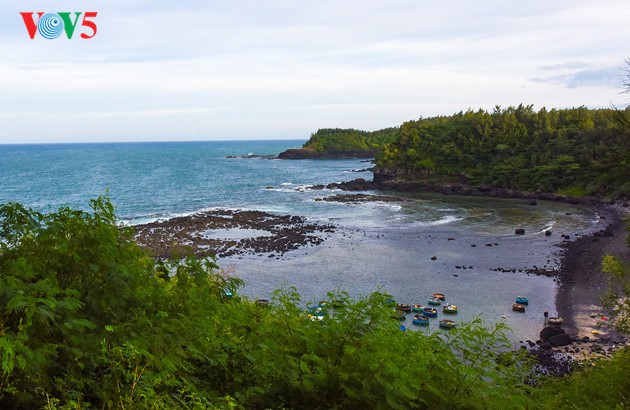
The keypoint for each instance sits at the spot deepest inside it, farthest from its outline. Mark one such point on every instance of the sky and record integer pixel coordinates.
(278, 69)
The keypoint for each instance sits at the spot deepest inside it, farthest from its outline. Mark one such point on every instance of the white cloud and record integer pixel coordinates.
(252, 69)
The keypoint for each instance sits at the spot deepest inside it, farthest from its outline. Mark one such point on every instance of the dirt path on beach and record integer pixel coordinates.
(581, 280)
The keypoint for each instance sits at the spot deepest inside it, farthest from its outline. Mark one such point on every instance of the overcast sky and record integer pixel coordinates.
(256, 69)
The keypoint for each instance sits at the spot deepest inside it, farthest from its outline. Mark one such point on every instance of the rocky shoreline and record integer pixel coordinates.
(301, 153)
(212, 233)
(360, 198)
(462, 189)
(585, 332)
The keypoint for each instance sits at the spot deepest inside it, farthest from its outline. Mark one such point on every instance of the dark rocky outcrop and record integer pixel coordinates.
(274, 234)
(561, 339)
(550, 331)
(312, 154)
(359, 198)
(555, 336)
(403, 181)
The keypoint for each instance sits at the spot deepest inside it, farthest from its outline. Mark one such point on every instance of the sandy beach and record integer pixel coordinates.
(582, 282)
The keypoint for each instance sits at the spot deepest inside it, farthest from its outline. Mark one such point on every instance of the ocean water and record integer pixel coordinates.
(386, 246)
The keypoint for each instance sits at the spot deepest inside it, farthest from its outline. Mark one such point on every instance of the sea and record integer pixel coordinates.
(464, 247)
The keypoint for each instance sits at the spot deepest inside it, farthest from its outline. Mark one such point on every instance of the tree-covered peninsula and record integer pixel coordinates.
(576, 151)
(342, 143)
(573, 152)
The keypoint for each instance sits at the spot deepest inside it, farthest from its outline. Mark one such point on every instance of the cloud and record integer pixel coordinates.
(606, 76)
(280, 68)
(567, 65)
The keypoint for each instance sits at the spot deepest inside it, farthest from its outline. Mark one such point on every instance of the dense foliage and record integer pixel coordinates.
(617, 299)
(88, 320)
(573, 151)
(338, 139)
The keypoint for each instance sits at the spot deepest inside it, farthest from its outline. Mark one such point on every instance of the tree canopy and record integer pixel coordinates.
(340, 139)
(573, 151)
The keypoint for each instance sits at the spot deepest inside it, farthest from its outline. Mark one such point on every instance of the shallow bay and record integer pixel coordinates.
(386, 245)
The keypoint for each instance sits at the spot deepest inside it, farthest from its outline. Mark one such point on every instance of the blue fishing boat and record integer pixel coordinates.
(522, 300)
(430, 312)
(420, 320)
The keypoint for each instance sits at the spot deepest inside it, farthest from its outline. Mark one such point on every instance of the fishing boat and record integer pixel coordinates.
(390, 302)
(404, 307)
(318, 310)
(435, 301)
(420, 320)
(452, 309)
(555, 320)
(439, 296)
(417, 308)
(430, 312)
(517, 307)
(399, 314)
(522, 300)
(447, 324)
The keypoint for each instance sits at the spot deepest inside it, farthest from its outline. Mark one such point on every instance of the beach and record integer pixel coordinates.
(582, 282)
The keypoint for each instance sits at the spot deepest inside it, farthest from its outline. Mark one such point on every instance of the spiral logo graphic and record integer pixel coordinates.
(50, 26)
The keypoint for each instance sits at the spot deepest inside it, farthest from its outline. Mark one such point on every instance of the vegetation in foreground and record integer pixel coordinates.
(89, 320)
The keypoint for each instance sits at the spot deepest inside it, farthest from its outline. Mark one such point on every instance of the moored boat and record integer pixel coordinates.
(522, 300)
(440, 296)
(417, 308)
(452, 309)
(318, 310)
(447, 324)
(404, 307)
(435, 301)
(420, 320)
(517, 307)
(430, 312)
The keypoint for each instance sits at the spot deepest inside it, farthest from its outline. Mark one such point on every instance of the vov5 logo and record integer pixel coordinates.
(51, 25)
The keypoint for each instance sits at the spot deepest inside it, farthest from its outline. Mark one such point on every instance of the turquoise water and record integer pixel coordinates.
(376, 245)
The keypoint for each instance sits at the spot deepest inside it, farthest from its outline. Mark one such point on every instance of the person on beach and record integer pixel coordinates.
(546, 315)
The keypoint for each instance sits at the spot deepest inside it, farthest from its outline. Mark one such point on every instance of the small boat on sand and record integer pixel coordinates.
(555, 320)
